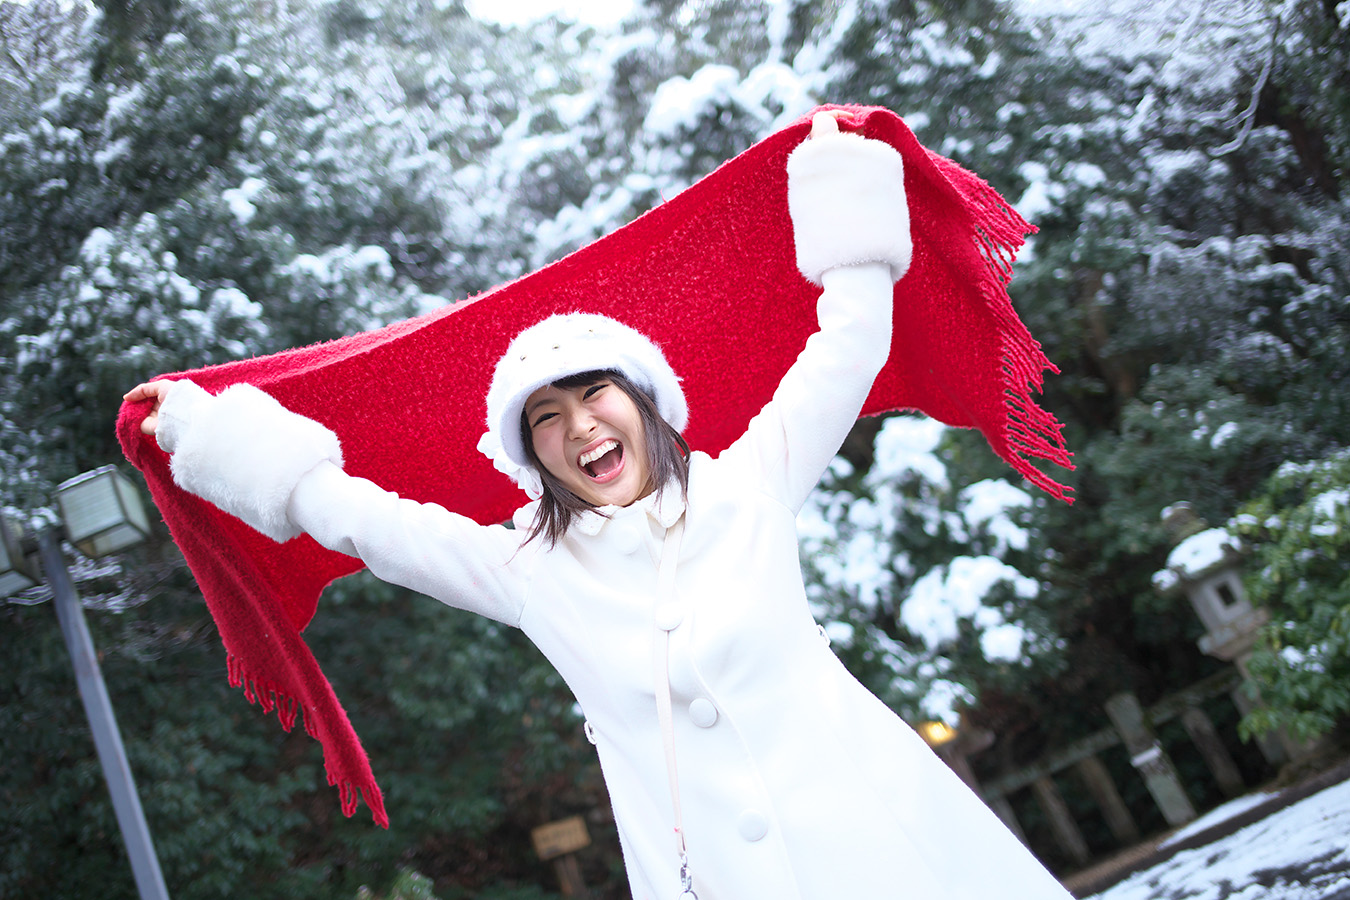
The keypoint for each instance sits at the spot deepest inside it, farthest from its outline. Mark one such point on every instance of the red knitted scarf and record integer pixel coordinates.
(711, 276)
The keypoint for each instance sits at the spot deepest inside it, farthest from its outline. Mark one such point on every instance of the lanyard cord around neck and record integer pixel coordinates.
(665, 600)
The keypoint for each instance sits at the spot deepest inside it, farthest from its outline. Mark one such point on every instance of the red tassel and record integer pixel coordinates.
(287, 707)
(350, 796)
(286, 712)
(1030, 432)
(265, 695)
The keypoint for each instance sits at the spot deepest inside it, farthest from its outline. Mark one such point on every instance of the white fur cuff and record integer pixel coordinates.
(242, 451)
(846, 196)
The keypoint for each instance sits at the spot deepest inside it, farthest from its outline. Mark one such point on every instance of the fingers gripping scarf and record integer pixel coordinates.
(710, 275)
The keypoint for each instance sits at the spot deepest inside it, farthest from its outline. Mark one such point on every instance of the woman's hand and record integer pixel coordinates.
(826, 122)
(157, 391)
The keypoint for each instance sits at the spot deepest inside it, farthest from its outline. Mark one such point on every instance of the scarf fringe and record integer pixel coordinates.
(1029, 431)
(351, 793)
(264, 694)
(270, 697)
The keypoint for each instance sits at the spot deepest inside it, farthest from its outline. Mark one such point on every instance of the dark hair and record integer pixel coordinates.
(667, 456)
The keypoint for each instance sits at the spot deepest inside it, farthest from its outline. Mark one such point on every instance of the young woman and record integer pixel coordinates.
(742, 759)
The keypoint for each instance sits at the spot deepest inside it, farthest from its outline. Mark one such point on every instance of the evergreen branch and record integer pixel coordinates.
(1248, 116)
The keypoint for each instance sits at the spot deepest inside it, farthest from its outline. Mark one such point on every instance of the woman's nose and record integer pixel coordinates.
(580, 423)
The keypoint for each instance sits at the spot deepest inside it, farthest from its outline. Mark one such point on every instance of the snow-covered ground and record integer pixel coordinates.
(1301, 852)
(1220, 814)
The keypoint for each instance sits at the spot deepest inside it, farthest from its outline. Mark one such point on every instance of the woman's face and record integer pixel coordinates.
(591, 439)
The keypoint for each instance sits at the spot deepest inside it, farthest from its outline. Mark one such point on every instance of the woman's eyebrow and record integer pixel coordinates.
(532, 408)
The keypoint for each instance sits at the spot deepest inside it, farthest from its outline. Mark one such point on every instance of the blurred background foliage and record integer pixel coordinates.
(190, 181)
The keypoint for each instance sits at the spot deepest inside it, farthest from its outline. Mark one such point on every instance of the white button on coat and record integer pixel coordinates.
(702, 713)
(752, 824)
(669, 616)
(627, 540)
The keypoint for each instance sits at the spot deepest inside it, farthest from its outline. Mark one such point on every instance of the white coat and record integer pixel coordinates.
(795, 781)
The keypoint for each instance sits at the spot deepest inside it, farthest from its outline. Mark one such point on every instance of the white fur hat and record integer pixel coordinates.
(553, 349)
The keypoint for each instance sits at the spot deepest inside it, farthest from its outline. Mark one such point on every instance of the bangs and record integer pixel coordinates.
(586, 379)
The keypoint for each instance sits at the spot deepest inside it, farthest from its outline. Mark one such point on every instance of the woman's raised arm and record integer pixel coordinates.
(850, 218)
(281, 473)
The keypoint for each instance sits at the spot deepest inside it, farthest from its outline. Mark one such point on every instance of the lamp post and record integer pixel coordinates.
(102, 514)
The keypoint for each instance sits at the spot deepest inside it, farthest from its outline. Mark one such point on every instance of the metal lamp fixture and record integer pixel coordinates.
(102, 512)
(16, 572)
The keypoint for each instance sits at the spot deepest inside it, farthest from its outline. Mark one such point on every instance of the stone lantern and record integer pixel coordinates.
(1206, 565)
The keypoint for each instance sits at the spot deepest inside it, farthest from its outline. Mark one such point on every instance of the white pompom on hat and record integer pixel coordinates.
(558, 347)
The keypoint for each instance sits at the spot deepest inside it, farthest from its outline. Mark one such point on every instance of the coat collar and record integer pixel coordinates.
(665, 507)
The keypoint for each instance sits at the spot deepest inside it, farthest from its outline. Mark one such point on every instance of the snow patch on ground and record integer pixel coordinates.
(1299, 853)
(1219, 814)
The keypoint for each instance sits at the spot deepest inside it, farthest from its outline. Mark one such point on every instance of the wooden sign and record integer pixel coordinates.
(564, 836)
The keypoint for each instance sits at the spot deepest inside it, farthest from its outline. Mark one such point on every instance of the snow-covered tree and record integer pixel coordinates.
(189, 181)
(1299, 529)
(926, 586)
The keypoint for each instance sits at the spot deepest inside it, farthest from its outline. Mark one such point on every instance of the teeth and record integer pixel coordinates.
(587, 458)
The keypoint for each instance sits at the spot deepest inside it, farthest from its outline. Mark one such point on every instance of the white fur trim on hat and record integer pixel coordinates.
(846, 196)
(553, 349)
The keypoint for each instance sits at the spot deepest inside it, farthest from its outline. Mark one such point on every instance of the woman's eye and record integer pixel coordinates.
(540, 420)
(594, 389)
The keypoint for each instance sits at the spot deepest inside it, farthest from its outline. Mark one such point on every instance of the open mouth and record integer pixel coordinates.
(603, 462)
